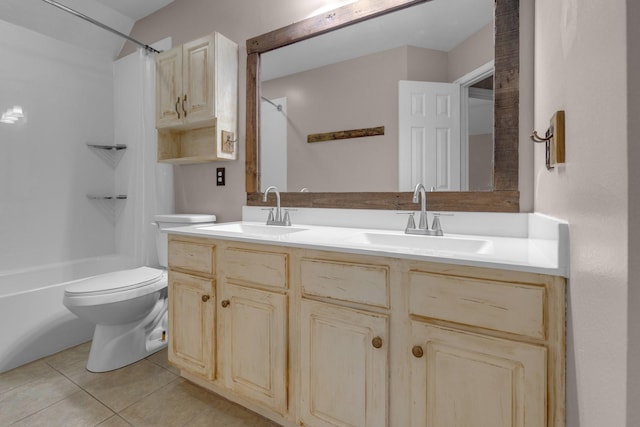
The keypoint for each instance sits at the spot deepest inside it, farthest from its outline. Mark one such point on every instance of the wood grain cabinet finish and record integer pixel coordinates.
(192, 257)
(466, 379)
(256, 267)
(508, 307)
(344, 366)
(191, 323)
(196, 100)
(345, 281)
(253, 344)
(328, 339)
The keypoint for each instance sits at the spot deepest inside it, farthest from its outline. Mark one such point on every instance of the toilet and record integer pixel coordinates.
(128, 307)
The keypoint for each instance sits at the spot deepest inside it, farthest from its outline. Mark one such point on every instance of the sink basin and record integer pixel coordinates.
(413, 242)
(253, 229)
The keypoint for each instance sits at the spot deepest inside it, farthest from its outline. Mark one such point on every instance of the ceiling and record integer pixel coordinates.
(44, 18)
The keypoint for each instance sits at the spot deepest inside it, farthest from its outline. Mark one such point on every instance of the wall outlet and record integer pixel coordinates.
(220, 176)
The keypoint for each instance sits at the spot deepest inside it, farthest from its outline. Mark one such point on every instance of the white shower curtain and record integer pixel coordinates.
(147, 184)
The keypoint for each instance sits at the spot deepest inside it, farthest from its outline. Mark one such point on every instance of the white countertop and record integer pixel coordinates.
(520, 242)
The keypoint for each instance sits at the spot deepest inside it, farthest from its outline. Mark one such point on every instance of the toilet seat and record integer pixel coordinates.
(115, 286)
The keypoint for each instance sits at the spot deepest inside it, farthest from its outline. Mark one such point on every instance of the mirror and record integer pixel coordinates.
(504, 194)
(349, 79)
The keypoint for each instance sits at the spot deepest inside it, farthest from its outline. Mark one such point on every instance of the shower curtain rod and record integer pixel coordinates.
(278, 106)
(100, 24)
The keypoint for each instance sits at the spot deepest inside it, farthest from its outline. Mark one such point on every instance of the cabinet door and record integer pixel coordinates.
(343, 366)
(253, 344)
(198, 79)
(191, 323)
(169, 88)
(460, 379)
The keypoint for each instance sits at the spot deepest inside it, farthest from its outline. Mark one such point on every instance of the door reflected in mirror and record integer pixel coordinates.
(349, 79)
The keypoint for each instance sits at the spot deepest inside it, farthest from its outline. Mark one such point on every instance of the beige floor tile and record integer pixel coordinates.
(24, 375)
(79, 409)
(70, 356)
(77, 372)
(123, 387)
(115, 421)
(161, 358)
(223, 413)
(34, 396)
(173, 405)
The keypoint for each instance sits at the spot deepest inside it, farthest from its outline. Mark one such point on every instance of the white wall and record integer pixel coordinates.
(580, 67)
(46, 169)
(633, 112)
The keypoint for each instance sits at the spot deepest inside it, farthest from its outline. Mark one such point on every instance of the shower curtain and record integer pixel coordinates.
(147, 184)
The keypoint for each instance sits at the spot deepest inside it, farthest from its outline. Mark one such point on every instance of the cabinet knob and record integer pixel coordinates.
(225, 303)
(205, 298)
(376, 342)
(417, 351)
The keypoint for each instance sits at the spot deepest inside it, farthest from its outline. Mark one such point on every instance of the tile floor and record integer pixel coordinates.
(59, 391)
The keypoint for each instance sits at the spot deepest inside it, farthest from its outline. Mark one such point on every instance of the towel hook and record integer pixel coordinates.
(554, 140)
(537, 138)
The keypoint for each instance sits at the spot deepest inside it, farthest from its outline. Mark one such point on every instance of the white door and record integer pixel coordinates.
(429, 135)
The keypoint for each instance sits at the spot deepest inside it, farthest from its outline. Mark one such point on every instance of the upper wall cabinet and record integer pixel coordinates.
(197, 101)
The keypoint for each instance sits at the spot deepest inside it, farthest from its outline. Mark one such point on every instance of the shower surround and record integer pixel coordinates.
(49, 228)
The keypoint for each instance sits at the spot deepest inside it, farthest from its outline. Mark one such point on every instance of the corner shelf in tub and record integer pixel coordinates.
(110, 153)
(97, 197)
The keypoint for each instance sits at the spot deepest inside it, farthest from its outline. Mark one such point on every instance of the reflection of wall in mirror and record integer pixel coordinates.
(274, 134)
(354, 94)
(480, 145)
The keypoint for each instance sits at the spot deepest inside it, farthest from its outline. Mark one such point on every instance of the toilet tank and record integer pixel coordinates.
(163, 222)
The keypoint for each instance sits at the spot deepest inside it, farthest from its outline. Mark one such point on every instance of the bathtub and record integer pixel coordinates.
(34, 321)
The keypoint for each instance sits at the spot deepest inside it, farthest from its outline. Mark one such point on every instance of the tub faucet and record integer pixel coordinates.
(423, 227)
(276, 219)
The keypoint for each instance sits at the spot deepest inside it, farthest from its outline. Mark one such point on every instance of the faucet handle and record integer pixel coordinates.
(287, 219)
(270, 218)
(411, 223)
(435, 226)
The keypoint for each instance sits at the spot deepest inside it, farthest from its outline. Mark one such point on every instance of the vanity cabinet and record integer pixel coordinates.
(343, 366)
(487, 348)
(196, 100)
(252, 324)
(192, 306)
(460, 378)
(327, 339)
(344, 358)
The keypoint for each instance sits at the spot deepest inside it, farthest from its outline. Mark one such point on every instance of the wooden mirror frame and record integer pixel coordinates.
(505, 196)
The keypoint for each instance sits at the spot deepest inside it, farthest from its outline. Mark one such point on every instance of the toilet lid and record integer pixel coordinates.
(116, 281)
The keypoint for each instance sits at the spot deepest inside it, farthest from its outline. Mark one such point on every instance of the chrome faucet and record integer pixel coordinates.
(423, 227)
(276, 219)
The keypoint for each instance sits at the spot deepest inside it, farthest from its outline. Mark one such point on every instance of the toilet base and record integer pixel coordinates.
(116, 346)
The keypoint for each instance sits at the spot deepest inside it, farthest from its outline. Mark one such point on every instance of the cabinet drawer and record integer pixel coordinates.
(362, 283)
(263, 268)
(191, 256)
(514, 308)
